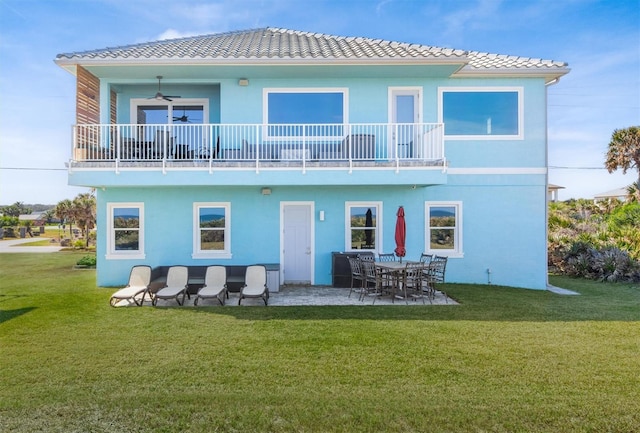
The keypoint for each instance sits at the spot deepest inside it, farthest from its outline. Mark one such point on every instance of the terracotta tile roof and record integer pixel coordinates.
(274, 43)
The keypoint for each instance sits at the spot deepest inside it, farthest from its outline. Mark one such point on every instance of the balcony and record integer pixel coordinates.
(258, 146)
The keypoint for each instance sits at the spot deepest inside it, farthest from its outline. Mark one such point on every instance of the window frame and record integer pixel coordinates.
(199, 253)
(265, 111)
(112, 253)
(457, 251)
(377, 230)
(493, 89)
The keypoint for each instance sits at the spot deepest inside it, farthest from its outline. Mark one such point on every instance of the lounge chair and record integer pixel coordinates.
(176, 286)
(215, 285)
(255, 284)
(139, 280)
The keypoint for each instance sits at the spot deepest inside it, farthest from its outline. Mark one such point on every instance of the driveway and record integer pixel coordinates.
(13, 246)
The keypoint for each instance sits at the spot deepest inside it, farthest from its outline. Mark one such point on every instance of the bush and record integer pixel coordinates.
(87, 261)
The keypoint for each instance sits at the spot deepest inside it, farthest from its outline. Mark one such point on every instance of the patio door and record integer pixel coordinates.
(179, 120)
(296, 242)
(404, 113)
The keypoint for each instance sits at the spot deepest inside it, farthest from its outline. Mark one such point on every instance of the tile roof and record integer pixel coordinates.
(274, 43)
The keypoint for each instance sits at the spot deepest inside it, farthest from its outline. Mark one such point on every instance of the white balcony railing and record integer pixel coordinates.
(423, 142)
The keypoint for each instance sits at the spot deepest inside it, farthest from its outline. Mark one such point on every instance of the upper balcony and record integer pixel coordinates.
(258, 146)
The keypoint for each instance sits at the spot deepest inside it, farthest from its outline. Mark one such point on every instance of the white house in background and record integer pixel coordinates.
(552, 192)
(274, 146)
(621, 194)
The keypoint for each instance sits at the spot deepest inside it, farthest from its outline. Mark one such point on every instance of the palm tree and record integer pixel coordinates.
(633, 192)
(63, 211)
(624, 150)
(84, 212)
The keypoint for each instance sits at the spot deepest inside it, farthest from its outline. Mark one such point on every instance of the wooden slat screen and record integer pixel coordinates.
(87, 97)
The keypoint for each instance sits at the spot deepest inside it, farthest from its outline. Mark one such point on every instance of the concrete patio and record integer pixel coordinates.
(304, 296)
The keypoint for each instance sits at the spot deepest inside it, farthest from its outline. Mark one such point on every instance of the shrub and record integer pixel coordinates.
(87, 261)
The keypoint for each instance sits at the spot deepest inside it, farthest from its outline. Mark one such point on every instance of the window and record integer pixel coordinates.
(482, 113)
(444, 228)
(363, 226)
(212, 234)
(125, 238)
(305, 112)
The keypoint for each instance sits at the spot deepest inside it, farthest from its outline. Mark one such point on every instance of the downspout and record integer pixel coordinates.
(546, 190)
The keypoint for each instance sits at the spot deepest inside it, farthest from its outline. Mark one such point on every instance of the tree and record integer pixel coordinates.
(63, 211)
(16, 209)
(84, 213)
(624, 150)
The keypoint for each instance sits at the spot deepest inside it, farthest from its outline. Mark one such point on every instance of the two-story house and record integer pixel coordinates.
(280, 146)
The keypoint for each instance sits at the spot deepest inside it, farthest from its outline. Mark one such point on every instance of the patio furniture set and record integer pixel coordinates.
(396, 279)
(214, 285)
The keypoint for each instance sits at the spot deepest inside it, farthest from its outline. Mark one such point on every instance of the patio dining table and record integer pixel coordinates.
(395, 272)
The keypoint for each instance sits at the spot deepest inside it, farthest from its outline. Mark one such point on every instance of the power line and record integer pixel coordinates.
(34, 168)
(575, 168)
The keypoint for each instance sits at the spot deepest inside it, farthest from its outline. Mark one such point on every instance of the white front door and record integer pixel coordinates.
(404, 113)
(297, 243)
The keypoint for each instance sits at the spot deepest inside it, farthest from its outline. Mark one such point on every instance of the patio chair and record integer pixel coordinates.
(390, 257)
(176, 286)
(426, 258)
(435, 272)
(356, 275)
(255, 284)
(139, 280)
(215, 285)
(373, 280)
(412, 282)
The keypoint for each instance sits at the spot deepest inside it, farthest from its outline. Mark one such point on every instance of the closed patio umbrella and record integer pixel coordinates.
(401, 234)
(368, 233)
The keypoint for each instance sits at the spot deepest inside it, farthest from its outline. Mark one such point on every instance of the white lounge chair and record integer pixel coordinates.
(139, 280)
(176, 286)
(255, 284)
(215, 285)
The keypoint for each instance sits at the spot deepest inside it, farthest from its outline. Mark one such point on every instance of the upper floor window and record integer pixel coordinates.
(481, 113)
(212, 230)
(305, 112)
(363, 226)
(125, 227)
(444, 228)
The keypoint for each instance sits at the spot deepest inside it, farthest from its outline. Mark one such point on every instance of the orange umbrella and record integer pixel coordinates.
(401, 234)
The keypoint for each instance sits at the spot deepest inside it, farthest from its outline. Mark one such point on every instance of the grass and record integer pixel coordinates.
(505, 360)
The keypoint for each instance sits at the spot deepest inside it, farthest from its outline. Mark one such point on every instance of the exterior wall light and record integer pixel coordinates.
(243, 82)
(266, 191)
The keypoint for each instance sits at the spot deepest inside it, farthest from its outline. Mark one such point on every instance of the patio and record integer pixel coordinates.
(302, 296)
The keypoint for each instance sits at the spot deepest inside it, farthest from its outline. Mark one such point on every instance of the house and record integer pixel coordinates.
(621, 194)
(282, 147)
(552, 192)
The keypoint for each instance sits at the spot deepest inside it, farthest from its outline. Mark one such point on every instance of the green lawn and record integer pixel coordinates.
(505, 360)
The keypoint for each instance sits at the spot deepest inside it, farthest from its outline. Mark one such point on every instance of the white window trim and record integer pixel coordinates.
(458, 251)
(519, 90)
(265, 107)
(207, 254)
(347, 225)
(112, 254)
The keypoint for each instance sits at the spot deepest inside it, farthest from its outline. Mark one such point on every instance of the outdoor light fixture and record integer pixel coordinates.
(243, 82)
(321, 215)
(266, 191)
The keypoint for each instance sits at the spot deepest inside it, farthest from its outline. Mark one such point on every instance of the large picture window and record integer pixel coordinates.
(444, 228)
(305, 112)
(363, 226)
(212, 233)
(125, 238)
(480, 113)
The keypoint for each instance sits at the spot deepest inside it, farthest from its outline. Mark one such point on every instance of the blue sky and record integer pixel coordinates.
(599, 39)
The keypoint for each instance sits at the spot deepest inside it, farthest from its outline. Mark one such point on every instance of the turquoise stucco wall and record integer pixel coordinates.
(501, 184)
(503, 226)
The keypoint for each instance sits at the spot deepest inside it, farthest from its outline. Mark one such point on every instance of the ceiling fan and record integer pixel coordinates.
(159, 96)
